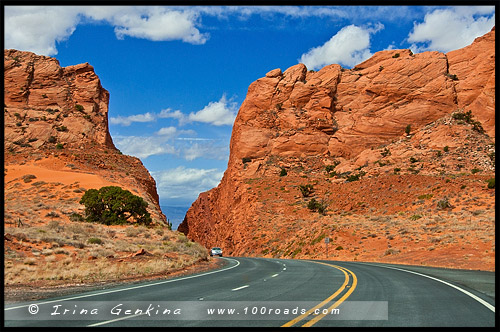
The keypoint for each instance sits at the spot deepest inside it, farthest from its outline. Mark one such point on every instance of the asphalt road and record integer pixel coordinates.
(263, 292)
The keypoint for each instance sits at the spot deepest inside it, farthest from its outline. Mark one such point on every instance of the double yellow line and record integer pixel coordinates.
(327, 300)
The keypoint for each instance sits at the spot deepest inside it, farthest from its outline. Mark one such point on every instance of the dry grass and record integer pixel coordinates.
(61, 252)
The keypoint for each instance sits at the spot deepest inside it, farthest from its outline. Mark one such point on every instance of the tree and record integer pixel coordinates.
(113, 205)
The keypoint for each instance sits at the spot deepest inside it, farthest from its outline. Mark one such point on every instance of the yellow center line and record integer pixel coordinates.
(330, 298)
(336, 304)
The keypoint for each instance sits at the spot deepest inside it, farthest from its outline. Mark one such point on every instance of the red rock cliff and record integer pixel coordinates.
(57, 116)
(392, 115)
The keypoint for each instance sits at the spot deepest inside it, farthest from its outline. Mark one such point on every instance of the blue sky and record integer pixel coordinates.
(177, 75)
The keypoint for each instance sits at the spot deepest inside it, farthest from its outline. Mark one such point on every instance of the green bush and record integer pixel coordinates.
(283, 172)
(94, 240)
(79, 107)
(306, 189)
(491, 183)
(113, 205)
(314, 205)
(444, 204)
(408, 129)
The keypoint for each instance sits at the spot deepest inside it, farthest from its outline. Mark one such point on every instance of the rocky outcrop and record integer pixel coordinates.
(393, 106)
(61, 114)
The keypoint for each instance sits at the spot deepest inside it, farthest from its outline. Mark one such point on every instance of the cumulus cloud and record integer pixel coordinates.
(186, 183)
(39, 28)
(143, 147)
(452, 28)
(128, 120)
(219, 113)
(178, 115)
(348, 47)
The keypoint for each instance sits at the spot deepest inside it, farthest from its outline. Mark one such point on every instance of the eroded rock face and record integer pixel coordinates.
(51, 111)
(43, 99)
(300, 119)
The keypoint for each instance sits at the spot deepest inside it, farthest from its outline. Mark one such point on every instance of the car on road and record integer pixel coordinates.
(216, 251)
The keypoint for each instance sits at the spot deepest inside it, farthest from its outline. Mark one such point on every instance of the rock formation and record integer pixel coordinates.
(360, 137)
(56, 125)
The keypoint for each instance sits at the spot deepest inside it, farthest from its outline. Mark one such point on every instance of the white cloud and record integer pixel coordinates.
(186, 183)
(38, 28)
(205, 149)
(450, 29)
(128, 120)
(143, 147)
(348, 47)
(159, 24)
(218, 113)
(178, 115)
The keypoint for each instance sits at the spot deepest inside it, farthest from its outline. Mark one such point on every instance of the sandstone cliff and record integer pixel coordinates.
(389, 149)
(56, 133)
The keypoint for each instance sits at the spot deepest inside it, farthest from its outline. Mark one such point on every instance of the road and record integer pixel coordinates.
(263, 292)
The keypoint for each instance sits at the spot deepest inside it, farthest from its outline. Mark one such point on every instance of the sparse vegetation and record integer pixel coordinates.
(306, 189)
(467, 117)
(319, 206)
(443, 204)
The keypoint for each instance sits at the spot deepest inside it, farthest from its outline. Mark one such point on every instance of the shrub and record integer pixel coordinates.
(446, 149)
(52, 139)
(79, 107)
(94, 240)
(395, 56)
(246, 160)
(283, 172)
(59, 146)
(306, 189)
(443, 204)
(314, 205)
(408, 129)
(113, 205)
(491, 183)
(475, 170)
(386, 152)
(76, 217)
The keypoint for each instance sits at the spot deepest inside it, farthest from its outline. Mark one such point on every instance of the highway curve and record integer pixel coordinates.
(263, 292)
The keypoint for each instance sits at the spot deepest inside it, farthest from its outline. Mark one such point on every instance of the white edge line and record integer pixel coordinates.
(129, 288)
(478, 299)
(238, 288)
(113, 320)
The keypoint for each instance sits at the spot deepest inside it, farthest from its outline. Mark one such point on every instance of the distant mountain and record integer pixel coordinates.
(175, 214)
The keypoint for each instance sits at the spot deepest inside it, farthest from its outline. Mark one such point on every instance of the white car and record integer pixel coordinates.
(216, 251)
